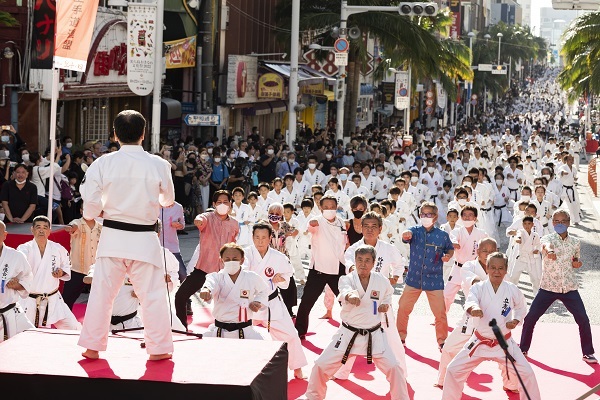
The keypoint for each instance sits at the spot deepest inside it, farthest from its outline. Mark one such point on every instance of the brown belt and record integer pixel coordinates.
(39, 297)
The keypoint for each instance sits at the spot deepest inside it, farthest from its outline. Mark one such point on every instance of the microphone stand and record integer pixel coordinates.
(502, 343)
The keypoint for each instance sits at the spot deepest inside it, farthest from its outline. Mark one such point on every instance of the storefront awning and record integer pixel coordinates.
(278, 106)
(384, 112)
(330, 95)
(258, 109)
(305, 74)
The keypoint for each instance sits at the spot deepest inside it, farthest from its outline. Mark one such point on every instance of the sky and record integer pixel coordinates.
(535, 13)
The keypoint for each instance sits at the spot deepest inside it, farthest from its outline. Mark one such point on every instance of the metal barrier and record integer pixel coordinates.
(593, 176)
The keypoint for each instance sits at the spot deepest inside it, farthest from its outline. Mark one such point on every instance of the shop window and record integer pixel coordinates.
(95, 115)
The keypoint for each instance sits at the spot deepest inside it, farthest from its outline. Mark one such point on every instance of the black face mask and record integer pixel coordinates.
(358, 213)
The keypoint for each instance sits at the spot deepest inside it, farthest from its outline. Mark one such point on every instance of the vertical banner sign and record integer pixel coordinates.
(181, 53)
(455, 28)
(42, 36)
(141, 28)
(442, 97)
(75, 20)
(401, 90)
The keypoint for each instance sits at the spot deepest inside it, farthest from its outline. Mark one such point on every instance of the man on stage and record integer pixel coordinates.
(127, 188)
(364, 294)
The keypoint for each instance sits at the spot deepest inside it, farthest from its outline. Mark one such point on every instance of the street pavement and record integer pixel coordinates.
(589, 274)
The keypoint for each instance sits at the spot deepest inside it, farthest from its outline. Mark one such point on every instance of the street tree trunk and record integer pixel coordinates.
(353, 92)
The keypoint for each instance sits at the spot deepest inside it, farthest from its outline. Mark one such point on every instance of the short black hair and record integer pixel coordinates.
(129, 126)
(528, 219)
(219, 193)
(307, 202)
(42, 218)
(262, 225)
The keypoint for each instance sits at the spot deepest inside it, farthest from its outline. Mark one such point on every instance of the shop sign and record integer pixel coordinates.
(270, 86)
(242, 76)
(141, 29)
(181, 53)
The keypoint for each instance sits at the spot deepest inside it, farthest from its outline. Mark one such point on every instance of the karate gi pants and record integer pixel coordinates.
(330, 361)
(573, 303)
(283, 330)
(409, 297)
(16, 322)
(315, 283)
(250, 333)
(149, 285)
(189, 286)
(533, 268)
(462, 365)
(451, 289)
(454, 344)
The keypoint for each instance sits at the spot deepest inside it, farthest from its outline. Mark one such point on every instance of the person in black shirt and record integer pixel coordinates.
(19, 197)
(268, 164)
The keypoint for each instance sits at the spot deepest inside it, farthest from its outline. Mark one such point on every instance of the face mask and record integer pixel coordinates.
(25, 157)
(283, 159)
(270, 152)
(560, 228)
(344, 177)
(380, 173)
(431, 170)
(69, 145)
(349, 153)
(525, 199)
(231, 267)
(499, 182)
(209, 150)
(5, 139)
(328, 156)
(292, 160)
(465, 165)
(222, 209)
(274, 218)
(329, 214)
(427, 222)
(547, 177)
(217, 160)
(20, 182)
(375, 144)
(468, 224)
(462, 202)
(312, 166)
(358, 213)
(414, 179)
(204, 157)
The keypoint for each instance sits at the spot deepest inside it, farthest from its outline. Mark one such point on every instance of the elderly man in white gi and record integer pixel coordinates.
(275, 269)
(471, 273)
(365, 294)
(491, 299)
(390, 264)
(127, 188)
(237, 293)
(15, 283)
(49, 263)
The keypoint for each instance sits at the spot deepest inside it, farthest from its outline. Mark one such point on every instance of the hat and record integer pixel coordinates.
(418, 158)
(210, 144)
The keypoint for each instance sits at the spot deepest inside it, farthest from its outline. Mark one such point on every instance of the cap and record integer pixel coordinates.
(210, 144)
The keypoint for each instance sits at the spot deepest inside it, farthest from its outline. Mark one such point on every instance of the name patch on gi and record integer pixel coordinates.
(375, 294)
(244, 294)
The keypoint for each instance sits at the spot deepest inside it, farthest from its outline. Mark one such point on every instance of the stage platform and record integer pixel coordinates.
(21, 233)
(43, 363)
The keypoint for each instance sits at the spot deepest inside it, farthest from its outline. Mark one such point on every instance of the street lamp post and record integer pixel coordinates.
(293, 83)
(487, 37)
(499, 35)
(471, 35)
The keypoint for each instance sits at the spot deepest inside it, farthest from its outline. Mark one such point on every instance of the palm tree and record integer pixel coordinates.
(581, 49)
(405, 40)
(6, 19)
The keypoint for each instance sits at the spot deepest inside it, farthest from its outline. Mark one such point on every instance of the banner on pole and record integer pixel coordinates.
(402, 101)
(42, 34)
(442, 97)
(141, 31)
(181, 53)
(75, 20)
(455, 28)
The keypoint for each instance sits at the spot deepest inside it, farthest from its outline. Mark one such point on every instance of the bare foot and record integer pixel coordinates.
(158, 357)
(91, 354)
(298, 374)
(327, 315)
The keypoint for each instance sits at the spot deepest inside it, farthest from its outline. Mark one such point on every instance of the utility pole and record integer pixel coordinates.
(293, 88)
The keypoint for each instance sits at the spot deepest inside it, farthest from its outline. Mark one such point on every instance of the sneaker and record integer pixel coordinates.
(590, 359)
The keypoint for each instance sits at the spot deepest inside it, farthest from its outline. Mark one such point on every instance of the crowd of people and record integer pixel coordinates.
(369, 215)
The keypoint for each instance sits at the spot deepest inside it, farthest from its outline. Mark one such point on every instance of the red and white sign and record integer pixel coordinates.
(75, 20)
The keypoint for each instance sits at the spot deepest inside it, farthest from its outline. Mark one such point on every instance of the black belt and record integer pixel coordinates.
(126, 226)
(499, 208)
(567, 188)
(271, 297)
(39, 297)
(119, 319)
(2, 311)
(513, 190)
(486, 209)
(231, 326)
(362, 332)
(545, 225)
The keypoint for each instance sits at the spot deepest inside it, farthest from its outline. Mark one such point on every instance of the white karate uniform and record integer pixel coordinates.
(505, 304)
(468, 251)
(501, 213)
(107, 189)
(242, 215)
(55, 257)
(232, 300)
(349, 188)
(293, 251)
(525, 260)
(389, 263)
(315, 178)
(448, 266)
(281, 327)
(304, 237)
(379, 291)
(125, 304)
(14, 265)
(569, 194)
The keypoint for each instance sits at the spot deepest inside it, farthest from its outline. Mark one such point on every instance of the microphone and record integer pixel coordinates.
(498, 334)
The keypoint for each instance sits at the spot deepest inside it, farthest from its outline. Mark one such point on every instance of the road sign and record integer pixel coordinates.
(485, 67)
(341, 59)
(429, 102)
(429, 94)
(202, 119)
(341, 45)
(429, 110)
(474, 97)
(474, 102)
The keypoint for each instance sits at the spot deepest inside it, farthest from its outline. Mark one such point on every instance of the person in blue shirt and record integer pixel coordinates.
(219, 176)
(430, 247)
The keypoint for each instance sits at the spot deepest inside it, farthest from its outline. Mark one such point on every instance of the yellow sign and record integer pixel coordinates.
(314, 89)
(270, 86)
(181, 53)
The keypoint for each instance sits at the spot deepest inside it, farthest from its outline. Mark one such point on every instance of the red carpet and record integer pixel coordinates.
(560, 372)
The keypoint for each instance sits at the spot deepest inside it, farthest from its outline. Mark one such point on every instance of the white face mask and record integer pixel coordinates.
(329, 214)
(462, 202)
(431, 170)
(231, 267)
(328, 156)
(25, 157)
(20, 182)
(69, 145)
(222, 209)
(427, 222)
(217, 160)
(270, 152)
(7, 153)
(499, 182)
(525, 198)
(380, 173)
(414, 179)
(547, 177)
(209, 150)
(204, 157)
(312, 166)
(468, 224)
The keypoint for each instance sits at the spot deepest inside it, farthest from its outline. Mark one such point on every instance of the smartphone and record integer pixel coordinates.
(6, 127)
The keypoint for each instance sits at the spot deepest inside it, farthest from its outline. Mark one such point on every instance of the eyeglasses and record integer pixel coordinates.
(427, 215)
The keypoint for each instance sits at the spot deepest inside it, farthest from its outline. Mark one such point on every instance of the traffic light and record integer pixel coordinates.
(418, 9)
(499, 69)
(339, 89)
